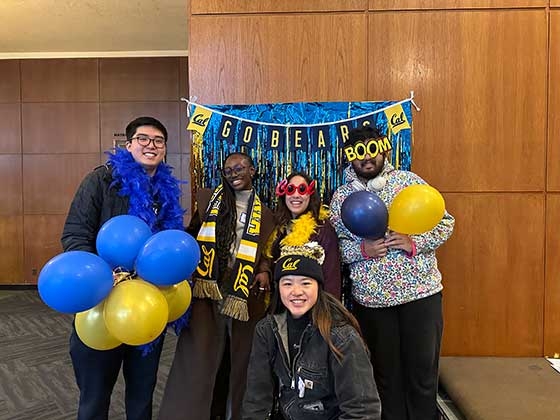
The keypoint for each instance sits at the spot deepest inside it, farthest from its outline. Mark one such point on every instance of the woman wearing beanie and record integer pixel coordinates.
(308, 358)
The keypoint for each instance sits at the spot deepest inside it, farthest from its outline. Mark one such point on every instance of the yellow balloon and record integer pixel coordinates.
(416, 209)
(90, 326)
(178, 299)
(135, 312)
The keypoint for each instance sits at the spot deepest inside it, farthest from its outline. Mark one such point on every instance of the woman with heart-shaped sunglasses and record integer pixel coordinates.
(302, 218)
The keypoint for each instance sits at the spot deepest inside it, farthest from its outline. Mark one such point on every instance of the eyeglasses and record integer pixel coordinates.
(283, 188)
(144, 140)
(236, 170)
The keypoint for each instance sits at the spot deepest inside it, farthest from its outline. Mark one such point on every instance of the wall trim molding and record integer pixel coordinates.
(93, 54)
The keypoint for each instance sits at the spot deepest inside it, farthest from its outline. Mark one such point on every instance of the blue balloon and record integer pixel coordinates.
(365, 215)
(120, 238)
(75, 281)
(168, 257)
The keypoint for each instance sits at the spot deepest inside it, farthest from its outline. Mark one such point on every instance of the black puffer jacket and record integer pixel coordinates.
(318, 386)
(94, 203)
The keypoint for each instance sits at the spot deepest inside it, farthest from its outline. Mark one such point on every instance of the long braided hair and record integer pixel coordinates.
(226, 222)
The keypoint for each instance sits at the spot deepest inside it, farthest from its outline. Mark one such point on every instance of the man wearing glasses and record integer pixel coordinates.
(396, 285)
(134, 181)
(209, 370)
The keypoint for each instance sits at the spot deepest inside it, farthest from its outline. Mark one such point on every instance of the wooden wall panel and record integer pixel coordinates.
(42, 242)
(186, 199)
(186, 153)
(55, 134)
(10, 81)
(553, 156)
(116, 115)
(184, 142)
(264, 6)
(252, 59)
(493, 268)
(481, 136)
(181, 169)
(184, 77)
(11, 249)
(552, 296)
(60, 127)
(482, 126)
(186, 137)
(452, 4)
(59, 80)
(10, 127)
(51, 181)
(174, 160)
(11, 191)
(184, 147)
(139, 79)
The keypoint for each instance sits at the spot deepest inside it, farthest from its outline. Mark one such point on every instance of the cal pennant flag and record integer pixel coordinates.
(396, 119)
(199, 120)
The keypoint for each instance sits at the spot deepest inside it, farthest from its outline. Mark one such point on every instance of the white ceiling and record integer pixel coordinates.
(92, 28)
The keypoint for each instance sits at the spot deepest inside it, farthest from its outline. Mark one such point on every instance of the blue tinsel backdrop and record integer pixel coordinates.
(325, 164)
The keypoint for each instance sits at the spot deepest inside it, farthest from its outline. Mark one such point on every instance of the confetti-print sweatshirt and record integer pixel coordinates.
(398, 277)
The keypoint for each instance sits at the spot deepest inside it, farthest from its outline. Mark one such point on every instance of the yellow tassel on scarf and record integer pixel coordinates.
(236, 308)
(206, 289)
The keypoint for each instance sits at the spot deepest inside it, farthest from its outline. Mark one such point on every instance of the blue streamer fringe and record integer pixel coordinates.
(324, 165)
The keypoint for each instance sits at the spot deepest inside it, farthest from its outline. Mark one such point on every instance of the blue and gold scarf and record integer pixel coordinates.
(206, 276)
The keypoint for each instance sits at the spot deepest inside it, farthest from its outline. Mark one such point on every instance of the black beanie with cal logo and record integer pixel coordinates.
(304, 260)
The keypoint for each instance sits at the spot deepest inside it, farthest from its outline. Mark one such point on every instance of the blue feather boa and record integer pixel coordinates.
(132, 181)
(144, 191)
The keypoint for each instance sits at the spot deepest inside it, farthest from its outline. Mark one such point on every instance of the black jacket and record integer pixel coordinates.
(318, 386)
(94, 203)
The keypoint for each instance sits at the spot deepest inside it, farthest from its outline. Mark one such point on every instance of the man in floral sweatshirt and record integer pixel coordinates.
(396, 289)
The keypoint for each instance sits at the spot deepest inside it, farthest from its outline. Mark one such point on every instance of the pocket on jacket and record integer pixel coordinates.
(310, 373)
(314, 407)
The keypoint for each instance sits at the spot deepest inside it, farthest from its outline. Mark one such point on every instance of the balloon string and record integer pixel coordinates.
(119, 276)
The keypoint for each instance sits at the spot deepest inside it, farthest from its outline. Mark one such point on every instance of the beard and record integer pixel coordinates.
(368, 169)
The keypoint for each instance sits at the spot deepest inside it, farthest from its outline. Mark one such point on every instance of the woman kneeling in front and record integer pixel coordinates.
(308, 358)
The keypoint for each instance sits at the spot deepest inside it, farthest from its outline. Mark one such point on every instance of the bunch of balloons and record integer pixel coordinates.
(416, 209)
(112, 305)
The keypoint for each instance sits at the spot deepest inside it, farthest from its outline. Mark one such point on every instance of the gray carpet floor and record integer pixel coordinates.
(36, 376)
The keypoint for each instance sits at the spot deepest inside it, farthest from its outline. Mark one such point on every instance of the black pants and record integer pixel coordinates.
(97, 371)
(404, 342)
